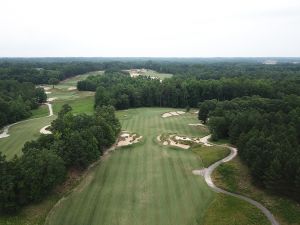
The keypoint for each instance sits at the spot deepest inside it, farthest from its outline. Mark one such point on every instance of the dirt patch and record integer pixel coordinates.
(169, 114)
(127, 138)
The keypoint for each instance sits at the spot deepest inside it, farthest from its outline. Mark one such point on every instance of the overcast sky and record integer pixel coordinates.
(154, 28)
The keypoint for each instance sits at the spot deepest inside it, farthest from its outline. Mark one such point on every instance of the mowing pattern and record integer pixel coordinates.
(142, 184)
(20, 134)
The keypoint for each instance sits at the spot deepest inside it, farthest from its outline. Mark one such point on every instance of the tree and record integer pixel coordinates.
(53, 81)
(102, 97)
(40, 171)
(40, 95)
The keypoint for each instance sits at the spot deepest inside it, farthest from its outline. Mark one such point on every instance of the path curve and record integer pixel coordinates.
(5, 133)
(207, 176)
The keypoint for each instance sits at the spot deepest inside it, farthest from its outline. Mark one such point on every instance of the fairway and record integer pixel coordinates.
(80, 101)
(21, 133)
(146, 183)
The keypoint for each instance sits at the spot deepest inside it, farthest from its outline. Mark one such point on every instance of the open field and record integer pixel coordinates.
(149, 73)
(145, 183)
(235, 177)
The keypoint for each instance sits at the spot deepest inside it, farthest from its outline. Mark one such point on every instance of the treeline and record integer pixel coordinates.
(17, 99)
(267, 134)
(76, 141)
(122, 91)
(40, 71)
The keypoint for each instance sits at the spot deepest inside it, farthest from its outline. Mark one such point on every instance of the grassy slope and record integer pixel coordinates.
(227, 210)
(235, 177)
(142, 184)
(209, 155)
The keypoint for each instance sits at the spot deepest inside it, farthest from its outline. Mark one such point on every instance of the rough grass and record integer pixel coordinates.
(235, 176)
(79, 105)
(227, 210)
(41, 111)
(142, 184)
(211, 154)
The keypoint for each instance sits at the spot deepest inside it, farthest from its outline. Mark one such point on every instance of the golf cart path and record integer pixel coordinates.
(207, 176)
(5, 133)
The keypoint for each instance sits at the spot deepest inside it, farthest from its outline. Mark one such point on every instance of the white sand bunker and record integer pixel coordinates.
(205, 139)
(169, 114)
(44, 87)
(196, 124)
(128, 139)
(72, 88)
(48, 92)
(196, 112)
(51, 99)
(45, 131)
(178, 141)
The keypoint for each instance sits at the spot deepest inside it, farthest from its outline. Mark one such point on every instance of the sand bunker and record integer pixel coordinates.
(205, 139)
(182, 141)
(51, 99)
(4, 133)
(128, 139)
(45, 88)
(72, 88)
(45, 131)
(196, 124)
(169, 114)
(48, 92)
(178, 141)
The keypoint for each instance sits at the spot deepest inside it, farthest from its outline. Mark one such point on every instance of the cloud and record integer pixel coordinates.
(149, 28)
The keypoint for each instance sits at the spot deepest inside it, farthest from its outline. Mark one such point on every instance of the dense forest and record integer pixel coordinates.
(122, 91)
(76, 141)
(17, 99)
(267, 134)
(40, 71)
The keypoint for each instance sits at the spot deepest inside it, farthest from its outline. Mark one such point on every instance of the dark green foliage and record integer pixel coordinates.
(77, 141)
(53, 81)
(17, 99)
(39, 171)
(266, 132)
(205, 108)
(122, 91)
